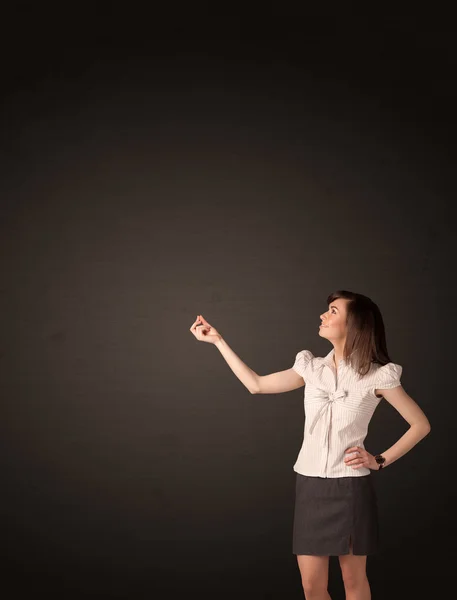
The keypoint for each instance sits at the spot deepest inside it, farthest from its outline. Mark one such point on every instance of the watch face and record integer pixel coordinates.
(380, 460)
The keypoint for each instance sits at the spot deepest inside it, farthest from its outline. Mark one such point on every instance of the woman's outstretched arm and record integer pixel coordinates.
(274, 383)
(246, 375)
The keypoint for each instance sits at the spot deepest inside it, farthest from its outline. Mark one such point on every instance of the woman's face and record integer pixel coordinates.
(334, 320)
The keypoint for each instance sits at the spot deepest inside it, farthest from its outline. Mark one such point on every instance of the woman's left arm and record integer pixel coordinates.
(413, 414)
(419, 428)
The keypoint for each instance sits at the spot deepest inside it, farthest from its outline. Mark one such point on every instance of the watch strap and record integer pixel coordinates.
(380, 459)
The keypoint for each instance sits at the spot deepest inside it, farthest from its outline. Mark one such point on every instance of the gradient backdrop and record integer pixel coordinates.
(243, 173)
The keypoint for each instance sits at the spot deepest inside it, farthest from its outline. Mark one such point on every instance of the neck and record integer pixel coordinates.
(339, 351)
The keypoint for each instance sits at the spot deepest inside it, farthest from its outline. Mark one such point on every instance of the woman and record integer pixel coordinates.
(335, 503)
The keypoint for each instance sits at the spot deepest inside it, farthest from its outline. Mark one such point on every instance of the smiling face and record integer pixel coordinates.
(334, 320)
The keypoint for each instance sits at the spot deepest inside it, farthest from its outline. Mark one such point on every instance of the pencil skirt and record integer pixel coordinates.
(330, 512)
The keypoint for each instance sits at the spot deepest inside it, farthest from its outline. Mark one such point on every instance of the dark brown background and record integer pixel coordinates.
(242, 170)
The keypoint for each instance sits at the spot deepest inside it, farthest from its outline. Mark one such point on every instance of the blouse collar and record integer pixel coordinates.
(328, 359)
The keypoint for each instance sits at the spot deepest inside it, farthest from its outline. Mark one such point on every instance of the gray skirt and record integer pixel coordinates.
(332, 511)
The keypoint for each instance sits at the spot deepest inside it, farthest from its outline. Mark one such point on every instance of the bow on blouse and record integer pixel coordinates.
(329, 398)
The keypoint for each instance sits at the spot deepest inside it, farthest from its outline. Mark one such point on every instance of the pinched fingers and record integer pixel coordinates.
(195, 324)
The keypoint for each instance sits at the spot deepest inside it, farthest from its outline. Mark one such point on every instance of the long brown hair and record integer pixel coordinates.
(366, 336)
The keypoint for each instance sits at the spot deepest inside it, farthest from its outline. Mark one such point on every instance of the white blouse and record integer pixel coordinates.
(338, 407)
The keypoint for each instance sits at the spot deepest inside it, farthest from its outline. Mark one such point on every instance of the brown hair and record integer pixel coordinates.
(366, 336)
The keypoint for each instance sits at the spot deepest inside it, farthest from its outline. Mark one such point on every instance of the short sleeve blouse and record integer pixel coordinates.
(338, 406)
(388, 376)
(301, 362)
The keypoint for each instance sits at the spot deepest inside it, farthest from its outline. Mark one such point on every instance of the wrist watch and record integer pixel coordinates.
(380, 459)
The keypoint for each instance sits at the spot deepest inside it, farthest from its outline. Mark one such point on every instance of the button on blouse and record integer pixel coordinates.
(338, 406)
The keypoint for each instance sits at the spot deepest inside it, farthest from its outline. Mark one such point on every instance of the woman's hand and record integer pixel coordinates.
(204, 332)
(359, 457)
